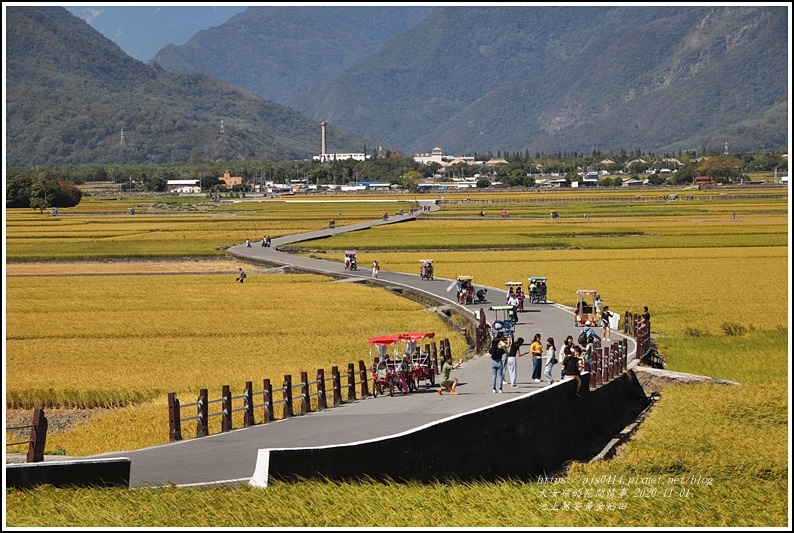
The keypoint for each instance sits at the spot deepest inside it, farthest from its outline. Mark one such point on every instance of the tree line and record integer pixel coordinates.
(42, 187)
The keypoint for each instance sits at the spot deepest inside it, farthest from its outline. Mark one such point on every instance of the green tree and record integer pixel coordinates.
(39, 203)
(18, 191)
(722, 168)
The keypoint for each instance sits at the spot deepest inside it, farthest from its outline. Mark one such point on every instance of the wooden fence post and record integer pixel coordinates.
(305, 404)
(226, 417)
(598, 365)
(38, 437)
(267, 392)
(174, 418)
(202, 412)
(351, 382)
(362, 371)
(287, 396)
(322, 403)
(604, 366)
(336, 381)
(248, 399)
(434, 356)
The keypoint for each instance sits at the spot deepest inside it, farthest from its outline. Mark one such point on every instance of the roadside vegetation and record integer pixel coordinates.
(717, 289)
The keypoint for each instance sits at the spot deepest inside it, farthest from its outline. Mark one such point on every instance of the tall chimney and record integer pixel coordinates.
(322, 125)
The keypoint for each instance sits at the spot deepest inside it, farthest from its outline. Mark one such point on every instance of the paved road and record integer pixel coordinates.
(230, 458)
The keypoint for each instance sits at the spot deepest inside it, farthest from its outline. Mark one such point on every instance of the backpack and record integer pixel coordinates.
(582, 338)
(496, 352)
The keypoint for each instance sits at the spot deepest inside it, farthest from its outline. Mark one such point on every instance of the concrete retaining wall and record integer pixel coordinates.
(521, 438)
(88, 473)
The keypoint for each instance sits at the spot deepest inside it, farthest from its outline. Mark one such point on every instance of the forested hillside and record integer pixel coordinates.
(571, 79)
(481, 78)
(74, 97)
(278, 52)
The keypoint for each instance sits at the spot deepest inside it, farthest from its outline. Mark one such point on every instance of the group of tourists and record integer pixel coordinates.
(504, 353)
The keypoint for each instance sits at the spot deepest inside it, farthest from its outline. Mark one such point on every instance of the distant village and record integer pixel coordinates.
(440, 181)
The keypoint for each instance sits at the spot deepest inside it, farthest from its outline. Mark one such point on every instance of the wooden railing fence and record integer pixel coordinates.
(607, 363)
(321, 393)
(38, 437)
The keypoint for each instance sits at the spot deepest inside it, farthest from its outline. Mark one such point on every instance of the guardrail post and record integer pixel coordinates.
(362, 372)
(174, 418)
(38, 437)
(226, 416)
(336, 381)
(202, 412)
(321, 401)
(248, 399)
(625, 344)
(287, 396)
(351, 382)
(267, 392)
(305, 407)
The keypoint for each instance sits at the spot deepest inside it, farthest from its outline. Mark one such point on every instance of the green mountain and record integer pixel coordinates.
(559, 79)
(510, 78)
(72, 95)
(278, 52)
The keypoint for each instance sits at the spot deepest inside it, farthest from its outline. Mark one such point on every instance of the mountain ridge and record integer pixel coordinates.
(474, 78)
(74, 97)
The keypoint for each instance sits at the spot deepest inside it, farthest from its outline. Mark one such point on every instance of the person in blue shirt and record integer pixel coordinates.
(588, 331)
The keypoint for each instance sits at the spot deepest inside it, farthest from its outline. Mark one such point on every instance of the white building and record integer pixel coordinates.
(325, 156)
(322, 158)
(183, 186)
(435, 156)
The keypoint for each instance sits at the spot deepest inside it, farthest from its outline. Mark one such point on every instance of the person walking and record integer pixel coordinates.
(606, 316)
(447, 383)
(571, 369)
(498, 348)
(512, 300)
(536, 350)
(375, 269)
(248, 243)
(566, 347)
(551, 359)
(241, 276)
(512, 353)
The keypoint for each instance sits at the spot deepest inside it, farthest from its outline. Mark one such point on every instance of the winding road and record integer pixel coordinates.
(230, 458)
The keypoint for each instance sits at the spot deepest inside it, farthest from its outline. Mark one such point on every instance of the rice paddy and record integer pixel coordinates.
(718, 452)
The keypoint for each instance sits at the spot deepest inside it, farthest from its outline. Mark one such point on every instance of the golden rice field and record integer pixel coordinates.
(718, 291)
(93, 229)
(129, 340)
(684, 288)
